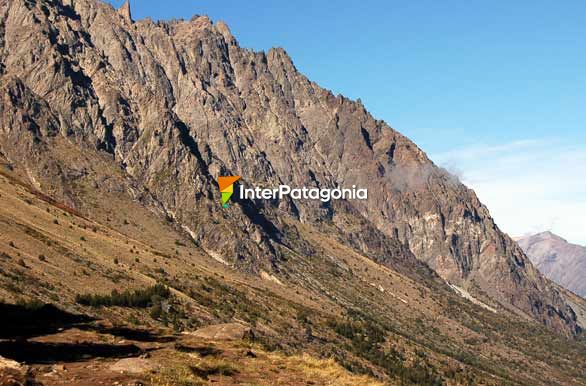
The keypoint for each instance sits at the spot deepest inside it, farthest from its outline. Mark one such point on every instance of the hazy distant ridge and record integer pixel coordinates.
(557, 259)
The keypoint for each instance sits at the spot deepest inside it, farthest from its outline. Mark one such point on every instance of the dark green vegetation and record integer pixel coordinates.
(140, 298)
(367, 341)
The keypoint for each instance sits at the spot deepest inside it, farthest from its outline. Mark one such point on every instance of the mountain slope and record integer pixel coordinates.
(176, 104)
(558, 260)
(379, 322)
(112, 135)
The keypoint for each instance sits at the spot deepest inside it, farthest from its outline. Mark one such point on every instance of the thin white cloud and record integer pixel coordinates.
(477, 151)
(529, 185)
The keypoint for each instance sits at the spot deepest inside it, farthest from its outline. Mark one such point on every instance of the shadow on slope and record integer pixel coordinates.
(41, 352)
(19, 322)
(23, 321)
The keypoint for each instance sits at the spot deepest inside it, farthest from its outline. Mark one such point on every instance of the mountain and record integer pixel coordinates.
(558, 260)
(113, 133)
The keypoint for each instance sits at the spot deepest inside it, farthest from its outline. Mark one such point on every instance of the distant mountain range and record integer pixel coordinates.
(558, 260)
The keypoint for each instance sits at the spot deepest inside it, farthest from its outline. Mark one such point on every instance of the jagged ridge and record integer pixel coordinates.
(178, 103)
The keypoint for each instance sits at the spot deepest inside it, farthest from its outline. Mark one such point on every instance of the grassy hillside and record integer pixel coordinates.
(336, 316)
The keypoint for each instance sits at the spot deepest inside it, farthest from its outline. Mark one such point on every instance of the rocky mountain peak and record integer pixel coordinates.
(225, 31)
(548, 235)
(557, 259)
(125, 12)
(174, 105)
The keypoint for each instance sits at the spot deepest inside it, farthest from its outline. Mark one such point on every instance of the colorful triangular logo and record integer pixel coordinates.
(226, 185)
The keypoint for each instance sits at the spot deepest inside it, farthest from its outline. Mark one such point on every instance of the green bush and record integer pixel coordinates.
(140, 298)
(156, 311)
(31, 305)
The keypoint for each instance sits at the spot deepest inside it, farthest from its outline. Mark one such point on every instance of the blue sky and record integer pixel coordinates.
(493, 90)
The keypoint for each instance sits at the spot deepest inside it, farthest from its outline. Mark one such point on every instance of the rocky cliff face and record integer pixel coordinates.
(558, 260)
(175, 104)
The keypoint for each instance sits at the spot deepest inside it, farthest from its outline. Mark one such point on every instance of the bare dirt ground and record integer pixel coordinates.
(99, 354)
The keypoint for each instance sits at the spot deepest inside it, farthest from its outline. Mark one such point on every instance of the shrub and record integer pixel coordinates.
(31, 305)
(140, 298)
(215, 367)
(156, 311)
(303, 316)
(55, 221)
(11, 244)
(42, 258)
